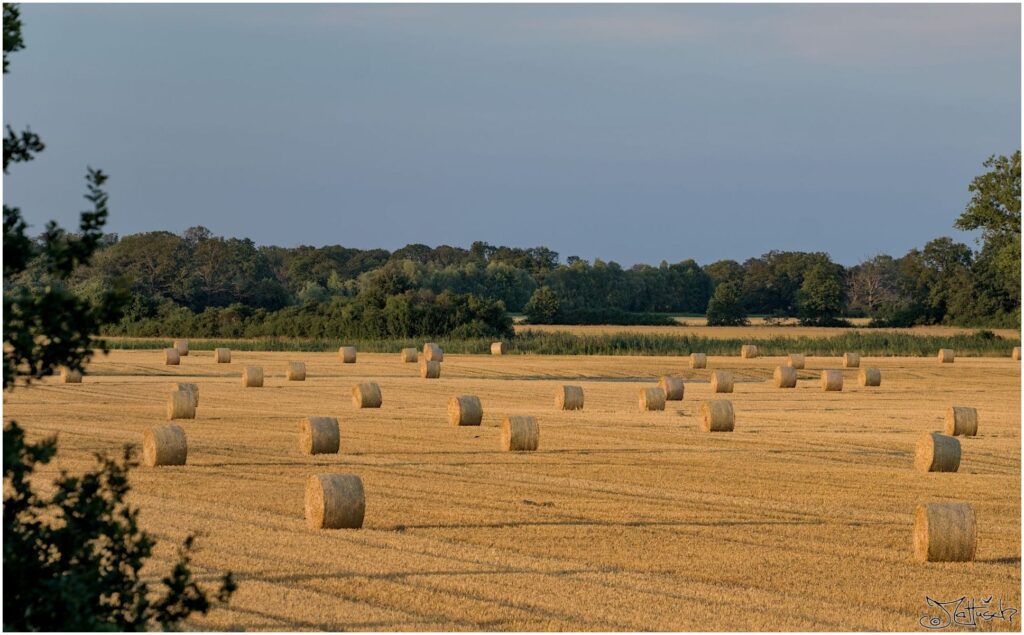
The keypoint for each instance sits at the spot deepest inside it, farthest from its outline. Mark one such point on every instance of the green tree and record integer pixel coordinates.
(542, 308)
(726, 306)
(822, 295)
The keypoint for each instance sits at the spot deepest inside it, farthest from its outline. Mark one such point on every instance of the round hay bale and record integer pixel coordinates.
(797, 360)
(652, 399)
(366, 395)
(520, 434)
(937, 452)
(180, 405)
(335, 501)
(182, 347)
(569, 397)
(164, 445)
(945, 356)
(319, 435)
(171, 357)
(296, 371)
(717, 416)
(347, 354)
(961, 421)
(70, 376)
(222, 355)
(498, 348)
(748, 351)
(831, 380)
(698, 360)
(432, 352)
(851, 360)
(410, 355)
(785, 377)
(1016, 353)
(252, 377)
(192, 389)
(673, 387)
(721, 381)
(945, 532)
(869, 377)
(430, 370)
(465, 410)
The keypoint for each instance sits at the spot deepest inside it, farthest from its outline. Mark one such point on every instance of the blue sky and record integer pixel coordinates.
(635, 133)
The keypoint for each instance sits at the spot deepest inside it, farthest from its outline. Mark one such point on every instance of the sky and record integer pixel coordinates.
(633, 133)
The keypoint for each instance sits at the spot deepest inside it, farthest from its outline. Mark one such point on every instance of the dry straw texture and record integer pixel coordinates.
(366, 395)
(335, 501)
(252, 377)
(410, 355)
(69, 376)
(1016, 353)
(748, 351)
(182, 347)
(171, 357)
(164, 445)
(652, 399)
(721, 381)
(717, 416)
(937, 453)
(430, 370)
(465, 410)
(296, 371)
(961, 421)
(520, 434)
(851, 360)
(869, 377)
(698, 360)
(222, 355)
(945, 356)
(319, 435)
(797, 360)
(945, 532)
(569, 398)
(498, 348)
(432, 352)
(831, 380)
(673, 387)
(192, 389)
(180, 405)
(347, 354)
(785, 377)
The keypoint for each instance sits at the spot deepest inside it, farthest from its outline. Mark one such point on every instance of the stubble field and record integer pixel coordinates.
(800, 519)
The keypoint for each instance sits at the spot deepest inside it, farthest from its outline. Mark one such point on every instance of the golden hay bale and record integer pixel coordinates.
(296, 371)
(797, 360)
(717, 416)
(410, 355)
(945, 356)
(432, 352)
(192, 389)
(319, 435)
(937, 453)
(430, 370)
(520, 434)
(465, 410)
(164, 445)
(366, 395)
(961, 421)
(748, 351)
(69, 376)
(569, 398)
(673, 387)
(831, 380)
(945, 532)
(869, 377)
(652, 399)
(785, 377)
(222, 355)
(182, 347)
(335, 501)
(851, 360)
(347, 354)
(498, 348)
(721, 381)
(698, 360)
(1016, 353)
(252, 377)
(180, 405)
(171, 357)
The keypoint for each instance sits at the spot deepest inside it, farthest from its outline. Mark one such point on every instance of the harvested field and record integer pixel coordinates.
(800, 519)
